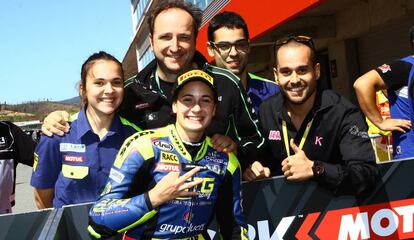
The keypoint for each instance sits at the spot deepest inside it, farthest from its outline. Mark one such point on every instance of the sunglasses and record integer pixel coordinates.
(225, 47)
(300, 39)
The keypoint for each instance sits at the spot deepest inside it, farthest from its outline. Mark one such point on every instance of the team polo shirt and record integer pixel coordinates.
(260, 89)
(77, 165)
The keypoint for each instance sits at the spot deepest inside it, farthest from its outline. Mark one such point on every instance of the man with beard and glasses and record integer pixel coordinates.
(314, 134)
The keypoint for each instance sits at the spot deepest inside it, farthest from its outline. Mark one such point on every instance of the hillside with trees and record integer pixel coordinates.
(33, 110)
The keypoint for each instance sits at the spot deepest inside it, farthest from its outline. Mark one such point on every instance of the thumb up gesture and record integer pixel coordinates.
(297, 167)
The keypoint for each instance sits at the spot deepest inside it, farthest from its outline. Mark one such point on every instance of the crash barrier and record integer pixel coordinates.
(275, 209)
(32, 225)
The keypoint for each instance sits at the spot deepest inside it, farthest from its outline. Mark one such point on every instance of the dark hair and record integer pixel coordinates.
(291, 42)
(411, 31)
(230, 20)
(87, 65)
(163, 5)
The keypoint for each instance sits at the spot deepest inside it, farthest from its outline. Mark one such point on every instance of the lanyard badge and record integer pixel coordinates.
(286, 136)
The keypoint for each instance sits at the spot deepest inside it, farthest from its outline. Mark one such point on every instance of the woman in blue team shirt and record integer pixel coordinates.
(74, 168)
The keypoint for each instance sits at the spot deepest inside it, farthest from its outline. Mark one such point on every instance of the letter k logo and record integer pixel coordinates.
(318, 140)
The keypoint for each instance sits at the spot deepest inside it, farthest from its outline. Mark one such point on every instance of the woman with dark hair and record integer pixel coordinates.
(74, 168)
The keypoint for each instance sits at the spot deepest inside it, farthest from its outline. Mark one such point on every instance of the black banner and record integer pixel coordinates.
(275, 209)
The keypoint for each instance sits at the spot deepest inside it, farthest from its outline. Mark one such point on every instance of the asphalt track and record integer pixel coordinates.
(24, 192)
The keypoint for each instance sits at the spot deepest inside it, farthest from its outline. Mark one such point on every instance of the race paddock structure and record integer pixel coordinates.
(275, 209)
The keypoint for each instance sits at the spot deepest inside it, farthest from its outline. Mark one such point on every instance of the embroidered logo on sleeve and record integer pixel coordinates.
(354, 130)
(385, 68)
(116, 175)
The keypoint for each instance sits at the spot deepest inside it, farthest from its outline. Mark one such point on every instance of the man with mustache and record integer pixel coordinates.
(314, 134)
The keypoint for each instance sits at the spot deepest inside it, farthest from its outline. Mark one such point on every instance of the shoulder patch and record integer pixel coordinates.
(385, 68)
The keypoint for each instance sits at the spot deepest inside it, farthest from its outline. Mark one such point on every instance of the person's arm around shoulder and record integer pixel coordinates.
(56, 122)
(365, 88)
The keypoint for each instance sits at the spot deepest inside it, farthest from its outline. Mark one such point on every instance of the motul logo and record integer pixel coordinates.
(392, 220)
(165, 167)
(69, 158)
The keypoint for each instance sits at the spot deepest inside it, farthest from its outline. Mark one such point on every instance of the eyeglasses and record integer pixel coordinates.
(225, 47)
(300, 39)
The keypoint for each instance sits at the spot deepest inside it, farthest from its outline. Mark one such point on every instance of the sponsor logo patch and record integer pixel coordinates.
(71, 158)
(71, 147)
(163, 145)
(213, 157)
(167, 167)
(354, 130)
(116, 175)
(385, 68)
(177, 229)
(318, 141)
(274, 135)
(190, 166)
(169, 158)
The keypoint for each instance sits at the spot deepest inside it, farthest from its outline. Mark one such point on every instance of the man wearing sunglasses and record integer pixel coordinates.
(313, 133)
(398, 78)
(228, 43)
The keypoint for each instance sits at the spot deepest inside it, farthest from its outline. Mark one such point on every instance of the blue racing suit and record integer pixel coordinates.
(145, 158)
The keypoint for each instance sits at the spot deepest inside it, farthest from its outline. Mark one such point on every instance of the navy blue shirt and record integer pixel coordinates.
(77, 165)
(260, 89)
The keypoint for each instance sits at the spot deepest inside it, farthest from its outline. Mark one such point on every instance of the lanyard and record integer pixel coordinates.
(286, 137)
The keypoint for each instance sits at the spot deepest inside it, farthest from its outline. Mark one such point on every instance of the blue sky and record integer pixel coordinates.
(43, 44)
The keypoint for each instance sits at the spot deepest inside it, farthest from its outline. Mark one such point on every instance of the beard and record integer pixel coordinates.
(308, 91)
